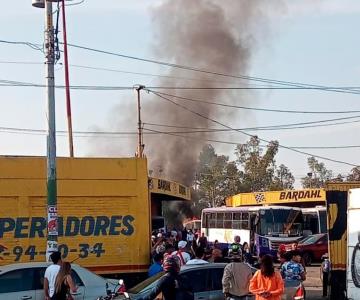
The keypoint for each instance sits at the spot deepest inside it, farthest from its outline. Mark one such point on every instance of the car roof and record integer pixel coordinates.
(12, 267)
(203, 266)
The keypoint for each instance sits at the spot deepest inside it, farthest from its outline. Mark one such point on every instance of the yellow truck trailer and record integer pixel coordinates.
(103, 208)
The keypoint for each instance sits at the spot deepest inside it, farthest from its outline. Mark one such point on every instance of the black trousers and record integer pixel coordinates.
(325, 283)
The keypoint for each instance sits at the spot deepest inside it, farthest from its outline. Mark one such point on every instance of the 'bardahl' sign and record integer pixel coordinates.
(299, 195)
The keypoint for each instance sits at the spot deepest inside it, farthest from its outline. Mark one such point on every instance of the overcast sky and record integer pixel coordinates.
(313, 42)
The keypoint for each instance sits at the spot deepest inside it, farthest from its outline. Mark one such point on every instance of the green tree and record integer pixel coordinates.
(283, 180)
(354, 174)
(258, 165)
(216, 178)
(318, 174)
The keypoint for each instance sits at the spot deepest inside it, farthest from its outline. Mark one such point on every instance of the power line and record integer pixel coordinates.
(261, 146)
(252, 128)
(251, 78)
(124, 72)
(282, 126)
(260, 109)
(10, 83)
(37, 47)
(297, 85)
(250, 135)
(192, 79)
(111, 134)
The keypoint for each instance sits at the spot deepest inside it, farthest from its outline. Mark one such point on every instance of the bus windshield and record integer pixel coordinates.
(275, 222)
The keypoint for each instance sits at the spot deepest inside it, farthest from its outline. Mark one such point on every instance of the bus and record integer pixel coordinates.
(315, 220)
(193, 224)
(264, 228)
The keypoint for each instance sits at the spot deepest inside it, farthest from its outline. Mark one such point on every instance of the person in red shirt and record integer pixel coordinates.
(267, 284)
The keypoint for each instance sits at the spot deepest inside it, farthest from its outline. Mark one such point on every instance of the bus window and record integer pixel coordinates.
(228, 220)
(220, 220)
(237, 220)
(206, 218)
(212, 220)
(245, 221)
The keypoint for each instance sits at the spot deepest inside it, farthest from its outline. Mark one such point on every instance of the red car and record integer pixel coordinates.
(313, 247)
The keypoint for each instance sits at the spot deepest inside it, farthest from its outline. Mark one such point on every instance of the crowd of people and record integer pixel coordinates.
(171, 251)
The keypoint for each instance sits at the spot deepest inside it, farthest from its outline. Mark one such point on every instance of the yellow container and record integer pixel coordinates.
(103, 210)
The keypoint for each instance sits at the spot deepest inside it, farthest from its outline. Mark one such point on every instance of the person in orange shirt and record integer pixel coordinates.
(267, 284)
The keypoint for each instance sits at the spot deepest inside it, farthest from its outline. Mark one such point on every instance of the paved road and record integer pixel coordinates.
(313, 283)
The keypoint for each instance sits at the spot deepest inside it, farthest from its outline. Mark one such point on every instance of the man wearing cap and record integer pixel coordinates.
(183, 256)
(236, 278)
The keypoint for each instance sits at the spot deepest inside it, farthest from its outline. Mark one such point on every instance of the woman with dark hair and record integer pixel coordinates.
(64, 283)
(266, 283)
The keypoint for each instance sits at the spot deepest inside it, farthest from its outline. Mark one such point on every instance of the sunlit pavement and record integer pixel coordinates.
(313, 283)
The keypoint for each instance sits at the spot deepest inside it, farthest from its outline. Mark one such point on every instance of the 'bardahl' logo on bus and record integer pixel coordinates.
(297, 195)
(25, 227)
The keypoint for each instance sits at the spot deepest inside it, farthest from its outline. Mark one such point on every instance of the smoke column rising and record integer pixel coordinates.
(206, 34)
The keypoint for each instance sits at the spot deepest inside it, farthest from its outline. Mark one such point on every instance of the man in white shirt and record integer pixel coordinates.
(199, 257)
(51, 273)
(183, 256)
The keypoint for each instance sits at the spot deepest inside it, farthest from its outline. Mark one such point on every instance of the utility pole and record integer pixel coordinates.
(52, 224)
(140, 147)
(67, 84)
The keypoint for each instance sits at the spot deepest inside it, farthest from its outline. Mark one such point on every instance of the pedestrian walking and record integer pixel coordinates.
(266, 284)
(324, 273)
(64, 283)
(248, 258)
(50, 274)
(202, 241)
(293, 269)
(236, 278)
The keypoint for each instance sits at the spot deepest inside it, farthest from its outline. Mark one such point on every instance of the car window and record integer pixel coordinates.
(17, 281)
(76, 278)
(216, 275)
(39, 278)
(39, 274)
(195, 281)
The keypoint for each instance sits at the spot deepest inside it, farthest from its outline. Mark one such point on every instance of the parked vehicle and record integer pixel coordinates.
(204, 281)
(25, 281)
(313, 247)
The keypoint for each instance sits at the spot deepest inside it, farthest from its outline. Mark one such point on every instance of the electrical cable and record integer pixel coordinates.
(250, 135)
(113, 134)
(259, 109)
(253, 128)
(261, 146)
(294, 85)
(251, 78)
